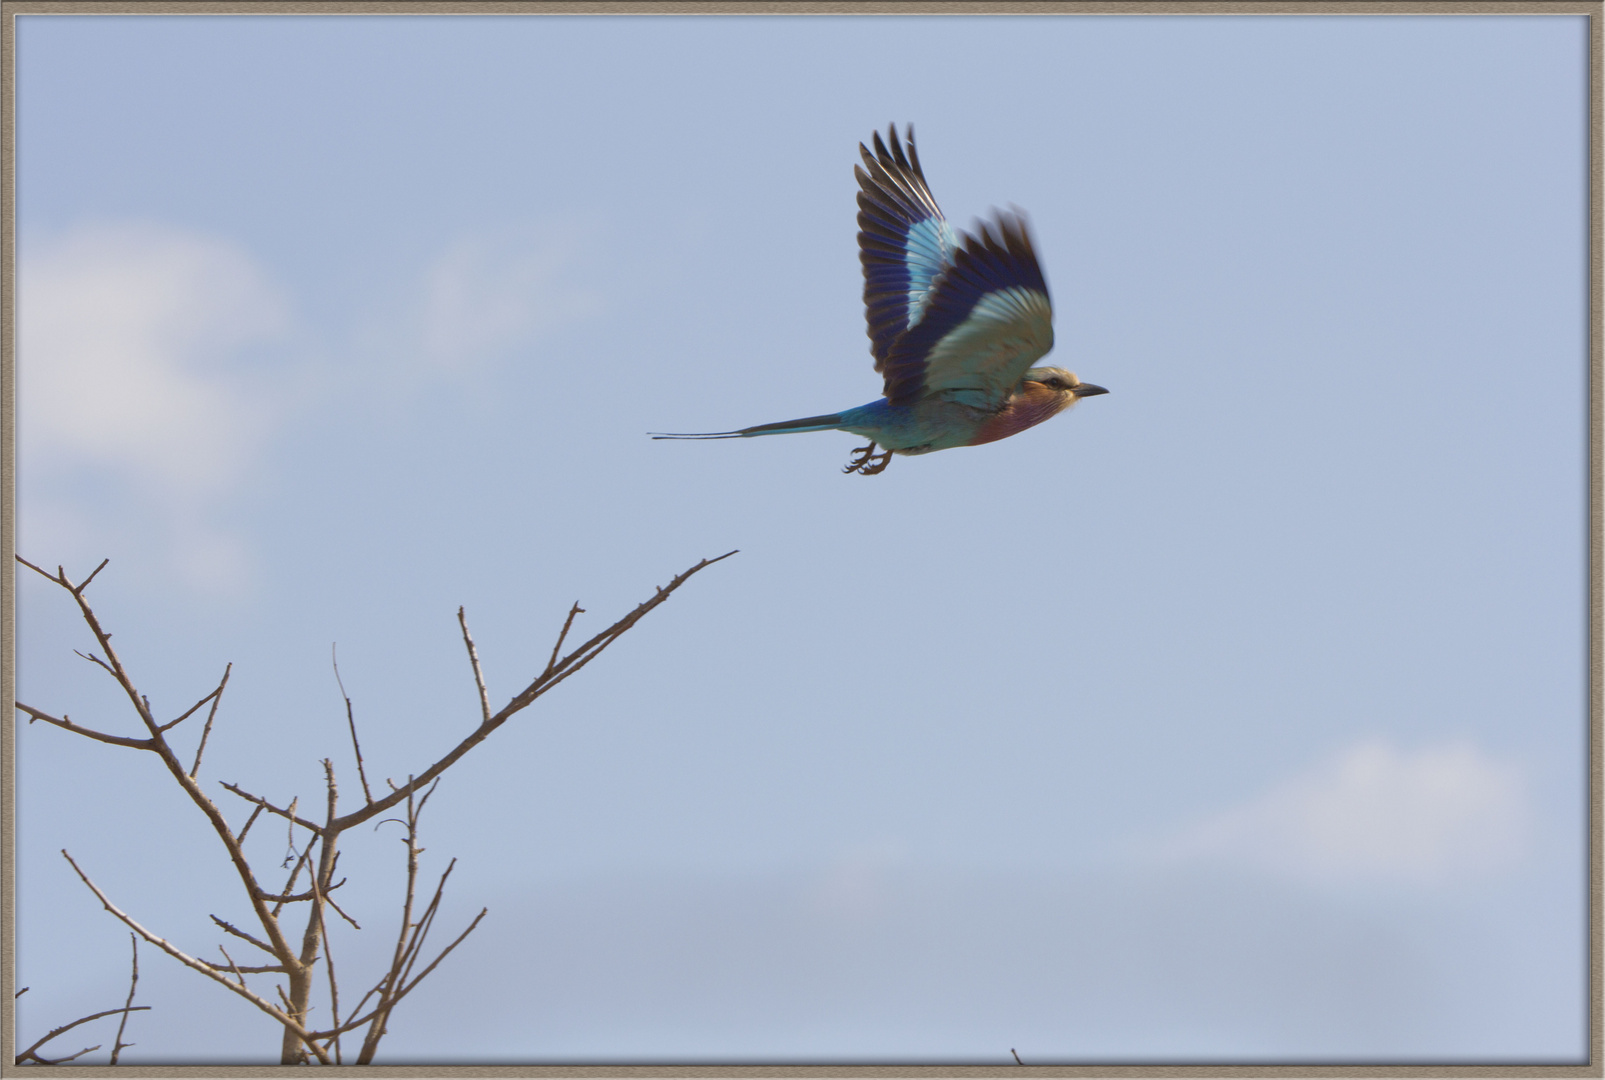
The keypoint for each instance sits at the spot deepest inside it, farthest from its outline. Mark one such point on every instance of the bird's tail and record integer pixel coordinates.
(785, 427)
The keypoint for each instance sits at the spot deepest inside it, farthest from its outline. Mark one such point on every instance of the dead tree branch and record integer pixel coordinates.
(31, 1054)
(190, 961)
(554, 674)
(298, 964)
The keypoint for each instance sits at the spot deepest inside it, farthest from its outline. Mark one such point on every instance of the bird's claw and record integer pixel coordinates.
(866, 462)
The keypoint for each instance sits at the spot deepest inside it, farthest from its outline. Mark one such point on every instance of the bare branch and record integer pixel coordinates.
(230, 928)
(69, 1057)
(158, 744)
(356, 1022)
(206, 732)
(133, 940)
(563, 636)
(59, 579)
(248, 823)
(299, 965)
(270, 808)
(189, 712)
(301, 897)
(249, 970)
(190, 962)
(327, 899)
(30, 1052)
(88, 733)
(334, 983)
(85, 584)
(548, 679)
(405, 934)
(458, 940)
(427, 923)
(1016, 1054)
(351, 720)
(93, 659)
(306, 962)
(112, 664)
(289, 884)
(232, 966)
(473, 662)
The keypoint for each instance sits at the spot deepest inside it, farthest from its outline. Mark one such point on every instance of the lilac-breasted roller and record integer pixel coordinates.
(956, 322)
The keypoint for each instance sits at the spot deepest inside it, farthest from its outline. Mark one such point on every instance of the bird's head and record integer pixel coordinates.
(1063, 382)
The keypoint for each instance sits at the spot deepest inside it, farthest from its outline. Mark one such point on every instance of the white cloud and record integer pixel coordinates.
(140, 411)
(1374, 813)
(128, 342)
(488, 293)
(124, 332)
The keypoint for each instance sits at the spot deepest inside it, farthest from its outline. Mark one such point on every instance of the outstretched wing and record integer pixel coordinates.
(903, 241)
(986, 320)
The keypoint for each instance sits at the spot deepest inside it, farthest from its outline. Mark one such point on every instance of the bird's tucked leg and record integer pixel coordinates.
(866, 462)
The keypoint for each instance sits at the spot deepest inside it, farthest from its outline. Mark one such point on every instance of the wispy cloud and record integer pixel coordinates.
(1373, 813)
(128, 340)
(488, 293)
(142, 406)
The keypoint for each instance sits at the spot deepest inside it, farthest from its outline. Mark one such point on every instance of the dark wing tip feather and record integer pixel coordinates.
(893, 199)
(897, 147)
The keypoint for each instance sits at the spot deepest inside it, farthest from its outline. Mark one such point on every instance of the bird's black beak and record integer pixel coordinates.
(1087, 389)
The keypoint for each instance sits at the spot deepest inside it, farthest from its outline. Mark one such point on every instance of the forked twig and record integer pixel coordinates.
(555, 673)
(23, 1057)
(315, 830)
(189, 712)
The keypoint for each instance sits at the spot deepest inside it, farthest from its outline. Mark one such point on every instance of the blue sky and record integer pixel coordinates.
(1237, 716)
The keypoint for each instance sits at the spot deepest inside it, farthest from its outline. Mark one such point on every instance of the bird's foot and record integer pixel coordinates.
(866, 462)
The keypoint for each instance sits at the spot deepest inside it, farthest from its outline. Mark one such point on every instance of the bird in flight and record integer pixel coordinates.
(956, 321)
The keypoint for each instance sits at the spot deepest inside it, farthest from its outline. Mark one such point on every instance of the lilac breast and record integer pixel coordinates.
(1030, 406)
